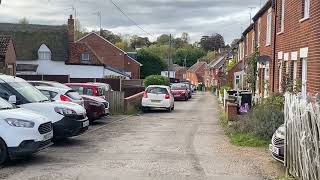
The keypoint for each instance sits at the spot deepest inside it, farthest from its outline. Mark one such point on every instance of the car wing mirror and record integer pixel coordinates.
(12, 99)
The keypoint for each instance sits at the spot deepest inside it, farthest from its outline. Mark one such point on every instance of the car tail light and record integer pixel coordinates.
(167, 96)
(65, 98)
(145, 94)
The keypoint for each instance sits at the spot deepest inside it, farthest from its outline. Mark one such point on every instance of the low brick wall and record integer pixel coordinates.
(232, 111)
(132, 103)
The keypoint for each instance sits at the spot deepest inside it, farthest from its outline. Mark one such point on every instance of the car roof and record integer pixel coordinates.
(82, 84)
(161, 86)
(55, 89)
(7, 78)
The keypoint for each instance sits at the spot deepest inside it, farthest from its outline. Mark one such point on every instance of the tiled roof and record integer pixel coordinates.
(27, 39)
(4, 43)
(196, 66)
(217, 63)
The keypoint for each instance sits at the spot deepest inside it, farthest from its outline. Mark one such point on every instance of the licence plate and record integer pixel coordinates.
(156, 101)
(176, 95)
(273, 149)
(85, 124)
(48, 136)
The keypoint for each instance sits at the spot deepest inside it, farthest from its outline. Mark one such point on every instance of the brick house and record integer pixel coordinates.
(196, 73)
(214, 71)
(7, 55)
(298, 46)
(95, 49)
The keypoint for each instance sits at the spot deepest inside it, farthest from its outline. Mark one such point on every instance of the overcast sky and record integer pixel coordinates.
(197, 17)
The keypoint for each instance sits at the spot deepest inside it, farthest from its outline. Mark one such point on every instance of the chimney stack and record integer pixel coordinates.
(71, 30)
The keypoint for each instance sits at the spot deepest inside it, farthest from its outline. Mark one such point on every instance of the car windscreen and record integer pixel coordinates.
(74, 95)
(157, 90)
(101, 91)
(59, 85)
(29, 92)
(179, 87)
(5, 105)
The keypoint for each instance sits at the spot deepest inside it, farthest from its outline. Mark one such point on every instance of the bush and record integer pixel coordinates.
(222, 88)
(156, 80)
(263, 120)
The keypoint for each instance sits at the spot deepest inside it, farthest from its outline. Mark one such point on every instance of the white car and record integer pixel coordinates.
(61, 94)
(69, 119)
(22, 132)
(157, 96)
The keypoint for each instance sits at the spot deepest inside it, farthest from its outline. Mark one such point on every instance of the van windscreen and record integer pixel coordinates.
(29, 92)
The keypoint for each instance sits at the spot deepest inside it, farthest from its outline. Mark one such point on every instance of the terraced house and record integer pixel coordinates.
(286, 35)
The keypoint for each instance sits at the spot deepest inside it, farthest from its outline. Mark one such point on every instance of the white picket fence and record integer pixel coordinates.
(302, 144)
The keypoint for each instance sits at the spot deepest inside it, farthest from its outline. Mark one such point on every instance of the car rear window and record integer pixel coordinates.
(178, 87)
(157, 90)
(74, 95)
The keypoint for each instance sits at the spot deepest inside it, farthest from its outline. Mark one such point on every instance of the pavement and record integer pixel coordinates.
(187, 143)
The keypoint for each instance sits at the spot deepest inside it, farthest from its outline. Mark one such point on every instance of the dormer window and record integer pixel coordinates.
(85, 57)
(44, 53)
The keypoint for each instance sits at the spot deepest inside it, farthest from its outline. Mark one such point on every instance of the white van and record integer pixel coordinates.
(69, 119)
(22, 132)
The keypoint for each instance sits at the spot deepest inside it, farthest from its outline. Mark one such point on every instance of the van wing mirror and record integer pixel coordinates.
(12, 99)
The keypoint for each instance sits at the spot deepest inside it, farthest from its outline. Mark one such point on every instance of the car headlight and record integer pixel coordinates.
(65, 111)
(281, 131)
(19, 123)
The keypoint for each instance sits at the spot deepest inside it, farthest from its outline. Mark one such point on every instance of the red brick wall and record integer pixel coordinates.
(111, 55)
(298, 35)
(180, 73)
(263, 49)
(75, 51)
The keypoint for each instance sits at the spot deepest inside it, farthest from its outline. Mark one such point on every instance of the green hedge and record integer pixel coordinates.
(156, 80)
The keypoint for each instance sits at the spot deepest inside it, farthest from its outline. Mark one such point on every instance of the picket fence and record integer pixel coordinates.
(302, 143)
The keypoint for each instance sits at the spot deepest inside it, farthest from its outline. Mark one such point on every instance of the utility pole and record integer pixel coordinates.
(169, 59)
(251, 8)
(99, 16)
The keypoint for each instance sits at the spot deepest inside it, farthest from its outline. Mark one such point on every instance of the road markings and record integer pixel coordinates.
(111, 122)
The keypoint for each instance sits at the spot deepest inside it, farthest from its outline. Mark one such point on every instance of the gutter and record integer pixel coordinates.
(275, 6)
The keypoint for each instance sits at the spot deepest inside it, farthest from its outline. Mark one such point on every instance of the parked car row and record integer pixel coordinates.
(163, 97)
(32, 116)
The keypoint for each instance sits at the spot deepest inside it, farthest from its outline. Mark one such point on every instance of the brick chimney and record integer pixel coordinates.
(71, 30)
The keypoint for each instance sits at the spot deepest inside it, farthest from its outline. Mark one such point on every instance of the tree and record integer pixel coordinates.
(79, 31)
(24, 21)
(152, 64)
(110, 36)
(185, 37)
(163, 39)
(190, 53)
(139, 42)
(212, 43)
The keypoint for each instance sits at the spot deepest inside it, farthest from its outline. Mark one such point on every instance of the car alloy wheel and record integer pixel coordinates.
(3, 152)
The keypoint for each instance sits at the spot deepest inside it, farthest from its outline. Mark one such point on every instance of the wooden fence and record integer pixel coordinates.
(116, 101)
(302, 143)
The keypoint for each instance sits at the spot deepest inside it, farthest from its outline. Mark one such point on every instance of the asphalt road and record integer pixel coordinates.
(185, 144)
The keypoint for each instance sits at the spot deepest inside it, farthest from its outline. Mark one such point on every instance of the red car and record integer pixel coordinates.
(180, 91)
(88, 89)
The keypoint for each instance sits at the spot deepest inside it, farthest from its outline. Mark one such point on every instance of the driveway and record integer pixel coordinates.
(185, 144)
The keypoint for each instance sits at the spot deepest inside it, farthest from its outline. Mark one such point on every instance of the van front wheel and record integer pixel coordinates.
(3, 152)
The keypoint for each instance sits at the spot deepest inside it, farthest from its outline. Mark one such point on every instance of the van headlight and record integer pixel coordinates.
(19, 123)
(65, 111)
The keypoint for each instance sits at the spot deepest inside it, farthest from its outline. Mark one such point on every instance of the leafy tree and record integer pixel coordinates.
(185, 37)
(156, 80)
(161, 51)
(191, 53)
(163, 39)
(178, 43)
(24, 20)
(211, 43)
(110, 36)
(139, 42)
(152, 64)
(79, 30)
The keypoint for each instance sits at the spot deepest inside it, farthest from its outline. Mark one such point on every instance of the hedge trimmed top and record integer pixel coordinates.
(156, 80)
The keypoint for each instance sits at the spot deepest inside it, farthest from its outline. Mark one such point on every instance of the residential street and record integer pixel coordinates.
(185, 144)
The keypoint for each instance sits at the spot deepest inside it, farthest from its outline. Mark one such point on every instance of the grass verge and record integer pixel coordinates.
(247, 140)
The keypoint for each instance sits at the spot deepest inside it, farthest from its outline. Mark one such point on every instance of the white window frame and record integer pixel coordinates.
(280, 76)
(85, 57)
(266, 79)
(252, 43)
(283, 2)
(269, 27)
(306, 10)
(44, 53)
(304, 77)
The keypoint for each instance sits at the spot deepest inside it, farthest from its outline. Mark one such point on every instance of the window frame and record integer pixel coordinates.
(85, 59)
(282, 15)
(269, 27)
(305, 9)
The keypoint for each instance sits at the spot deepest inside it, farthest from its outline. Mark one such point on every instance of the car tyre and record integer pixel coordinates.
(3, 152)
(186, 98)
(145, 109)
(169, 109)
(172, 108)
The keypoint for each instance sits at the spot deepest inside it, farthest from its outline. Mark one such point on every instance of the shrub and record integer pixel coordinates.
(222, 88)
(263, 120)
(156, 80)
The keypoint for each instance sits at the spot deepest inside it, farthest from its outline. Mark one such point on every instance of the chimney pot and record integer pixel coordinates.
(71, 29)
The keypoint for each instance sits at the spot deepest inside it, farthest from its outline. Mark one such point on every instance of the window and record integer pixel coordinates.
(282, 10)
(269, 28)
(259, 32)
(44, 53)
(305, 9)
(252, 43)
(85, 57)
